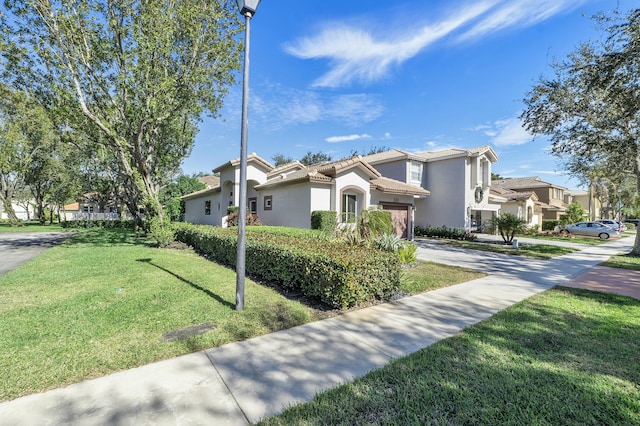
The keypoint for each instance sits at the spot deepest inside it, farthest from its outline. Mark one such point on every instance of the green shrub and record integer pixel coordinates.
(252, 219)
(549, 224)
(108, 224)
(373, 223)
(330, 271)
(407, 253)
(388, 242)
(508, 225)
(162, 231)
(444, 232)
(324, 220)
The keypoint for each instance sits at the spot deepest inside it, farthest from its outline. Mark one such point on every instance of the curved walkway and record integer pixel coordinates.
(240, 383)
(17, 248)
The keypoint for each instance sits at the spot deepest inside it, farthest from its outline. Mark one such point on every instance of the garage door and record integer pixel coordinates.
(399, 218)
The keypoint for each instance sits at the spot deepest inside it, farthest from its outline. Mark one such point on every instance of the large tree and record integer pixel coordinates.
(27, 142)
(140, 73)
(590, 108)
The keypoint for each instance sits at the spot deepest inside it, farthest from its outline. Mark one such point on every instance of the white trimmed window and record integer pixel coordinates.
(415, 175)
(349, 208)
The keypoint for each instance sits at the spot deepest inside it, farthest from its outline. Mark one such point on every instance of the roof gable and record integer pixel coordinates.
(252, 158)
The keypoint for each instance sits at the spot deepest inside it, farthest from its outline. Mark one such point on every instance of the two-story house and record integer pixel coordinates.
(550, 196)
(287, 195)
(457, 179)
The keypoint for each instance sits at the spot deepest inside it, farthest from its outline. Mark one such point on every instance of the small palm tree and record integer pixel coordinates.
(508, 225)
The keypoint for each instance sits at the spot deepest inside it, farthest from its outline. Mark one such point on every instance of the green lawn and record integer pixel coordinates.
(537, 251)
(563, 357)
(593, 241)
(625, 261)
(103, 300)
(31, 226)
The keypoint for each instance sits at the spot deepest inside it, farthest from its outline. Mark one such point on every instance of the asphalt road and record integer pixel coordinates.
(20, 247)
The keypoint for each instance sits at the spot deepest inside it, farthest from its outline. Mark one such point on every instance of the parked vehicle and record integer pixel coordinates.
(613, 224)
(593, 229)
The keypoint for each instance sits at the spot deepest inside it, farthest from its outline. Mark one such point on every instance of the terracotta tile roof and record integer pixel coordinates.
(392, 186)
(201, 193)
(284, 168)
(523, 182)
(397, 154)
(210, 181)
(456, 152)
(253, 157)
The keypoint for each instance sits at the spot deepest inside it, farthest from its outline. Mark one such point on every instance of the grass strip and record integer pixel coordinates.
(563, 357)
(427, 276)
(536, 251)
(625, 261)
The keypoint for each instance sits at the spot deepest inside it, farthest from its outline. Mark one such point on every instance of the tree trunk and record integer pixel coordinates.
(11, 213)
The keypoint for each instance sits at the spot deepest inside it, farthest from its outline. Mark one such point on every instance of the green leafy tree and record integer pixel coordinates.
(139, 74)
(311, 158)
(574, 213)
(170, 195)
(507, 225)
(590, 107)
(279, 159)
(27, 145)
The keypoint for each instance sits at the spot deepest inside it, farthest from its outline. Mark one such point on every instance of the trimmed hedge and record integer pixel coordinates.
(444, 232)
(549, 224)
(332, 272)
(128, 224)
(324, 220)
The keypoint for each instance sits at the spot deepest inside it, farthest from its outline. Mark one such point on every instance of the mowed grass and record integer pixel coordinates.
(31, 226)
(563, 357)
(537, 251)
(625, 261)
(426, 276)
(102, 301)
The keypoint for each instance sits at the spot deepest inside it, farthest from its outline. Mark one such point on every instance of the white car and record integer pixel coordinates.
(593, 229)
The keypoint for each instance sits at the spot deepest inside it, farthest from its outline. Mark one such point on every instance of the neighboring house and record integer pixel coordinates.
(458, 180)
(523, 205)
(287, 195)
(210, 181)
(550, 196)
(87, 207)
(20, 211)
(591, 203)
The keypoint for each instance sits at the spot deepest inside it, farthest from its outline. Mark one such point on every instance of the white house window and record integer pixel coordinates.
(207, 207)
(415, 173)
(484, 170)
(349, 208)
(268, 199)
(253, 205)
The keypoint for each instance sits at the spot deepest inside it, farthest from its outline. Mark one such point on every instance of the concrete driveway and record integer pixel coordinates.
(20, 247)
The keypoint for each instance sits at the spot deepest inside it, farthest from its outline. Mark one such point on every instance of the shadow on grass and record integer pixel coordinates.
(192, 284)
(568, 357)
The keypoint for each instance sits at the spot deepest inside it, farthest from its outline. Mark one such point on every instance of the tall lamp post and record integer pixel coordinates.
(247, 9)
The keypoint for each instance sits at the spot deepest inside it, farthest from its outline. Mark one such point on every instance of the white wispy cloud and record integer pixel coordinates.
(278, 106)
(356, 54)
(336, 139)
(506, 132)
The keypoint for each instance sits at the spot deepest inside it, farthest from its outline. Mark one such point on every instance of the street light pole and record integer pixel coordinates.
(247, 9)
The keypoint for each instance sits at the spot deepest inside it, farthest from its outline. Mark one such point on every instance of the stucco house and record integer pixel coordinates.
(457, 179)
(523, 205)
(551, 196)
(287, 195)
(588, 201)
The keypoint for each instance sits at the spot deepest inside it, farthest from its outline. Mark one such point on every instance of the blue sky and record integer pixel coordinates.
(336, 76)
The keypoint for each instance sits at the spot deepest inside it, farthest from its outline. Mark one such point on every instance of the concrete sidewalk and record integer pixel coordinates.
(240, 383)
